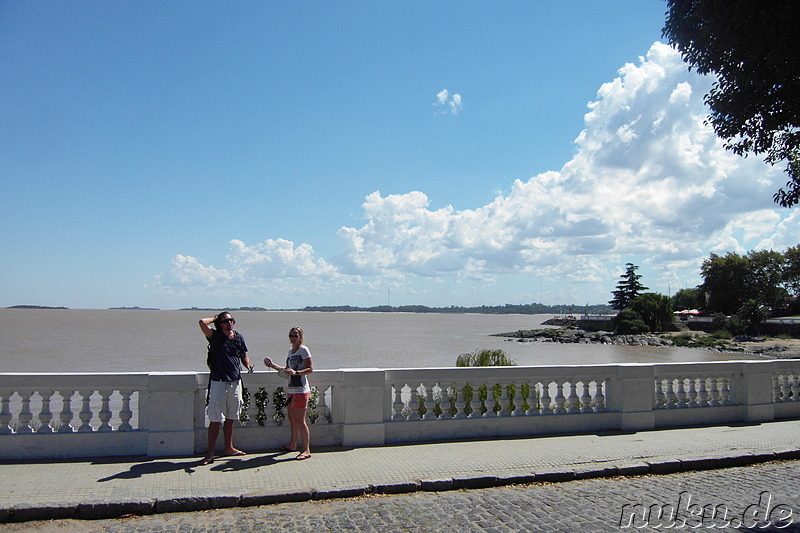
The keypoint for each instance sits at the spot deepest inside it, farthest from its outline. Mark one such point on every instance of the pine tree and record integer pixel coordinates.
(628, 288)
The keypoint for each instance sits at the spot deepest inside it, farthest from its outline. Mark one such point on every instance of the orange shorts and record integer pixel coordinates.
(299, 400)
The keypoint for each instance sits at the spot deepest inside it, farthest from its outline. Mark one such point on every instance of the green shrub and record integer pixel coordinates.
(485, 358)
(629, 323)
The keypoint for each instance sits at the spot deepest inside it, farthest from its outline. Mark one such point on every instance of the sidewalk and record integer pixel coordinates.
(111, 487)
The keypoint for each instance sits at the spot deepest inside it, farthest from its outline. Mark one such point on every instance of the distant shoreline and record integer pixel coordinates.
(507, 309)
(34, 307)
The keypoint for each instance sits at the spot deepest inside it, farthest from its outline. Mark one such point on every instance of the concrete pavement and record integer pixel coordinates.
(112, 487)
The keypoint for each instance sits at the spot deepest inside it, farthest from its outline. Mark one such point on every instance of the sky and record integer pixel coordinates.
(292, 154)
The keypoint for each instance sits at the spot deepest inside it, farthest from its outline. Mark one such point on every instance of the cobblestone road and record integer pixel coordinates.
(744, 499)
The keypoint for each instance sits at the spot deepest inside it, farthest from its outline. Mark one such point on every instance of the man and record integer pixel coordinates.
(225, 393)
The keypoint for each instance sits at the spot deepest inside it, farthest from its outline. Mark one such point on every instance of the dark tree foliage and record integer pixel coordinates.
(791, 270)
(765, 277)
(725, 282)
(765, 281)
(627, 322)
(628, 288)
(688, 299)
(751, 46)
(655, 310)
(752, 314)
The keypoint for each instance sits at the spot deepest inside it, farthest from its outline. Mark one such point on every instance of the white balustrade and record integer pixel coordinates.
(680, 392)
(161, 414)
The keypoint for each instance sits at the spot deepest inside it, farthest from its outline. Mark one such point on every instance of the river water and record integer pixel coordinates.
(80, 340)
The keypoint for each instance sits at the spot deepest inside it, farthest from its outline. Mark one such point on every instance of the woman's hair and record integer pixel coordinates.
(298, 330)
(222, 314)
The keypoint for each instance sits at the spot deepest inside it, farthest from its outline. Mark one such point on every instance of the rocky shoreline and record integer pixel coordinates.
(575, 335)
(568, 333)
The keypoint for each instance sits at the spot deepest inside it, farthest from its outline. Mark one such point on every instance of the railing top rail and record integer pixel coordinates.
(69, 380)
(16, 380)
(502, 372)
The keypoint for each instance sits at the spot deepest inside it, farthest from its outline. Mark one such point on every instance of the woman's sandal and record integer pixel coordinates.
(303, 456)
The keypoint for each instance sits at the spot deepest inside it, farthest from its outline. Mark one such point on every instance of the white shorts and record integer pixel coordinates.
(224, 401)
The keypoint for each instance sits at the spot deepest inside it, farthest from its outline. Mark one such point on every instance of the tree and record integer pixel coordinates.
(627, 322)
(688, 299)
(791, 270)
(725, 282)
(765, 279)
(628, 288)
(751, 314)
(655, 310)
(751, 46)
(485, 358)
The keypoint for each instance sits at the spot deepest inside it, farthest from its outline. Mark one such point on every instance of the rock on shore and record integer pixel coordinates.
(771, 349)
(575, 335)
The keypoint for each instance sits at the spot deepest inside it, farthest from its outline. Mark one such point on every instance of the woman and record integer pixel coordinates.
(298, 366)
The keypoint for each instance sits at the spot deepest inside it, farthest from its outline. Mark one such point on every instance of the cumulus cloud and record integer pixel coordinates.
(649, 179)
(273, 265)
(447, 103)
(649, 183)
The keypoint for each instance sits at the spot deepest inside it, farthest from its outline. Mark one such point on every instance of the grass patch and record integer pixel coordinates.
(689, 340)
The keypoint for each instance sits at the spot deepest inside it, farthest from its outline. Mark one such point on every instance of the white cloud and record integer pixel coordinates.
(649, 183)
(649, 179)
(447, 103)
(188, 272)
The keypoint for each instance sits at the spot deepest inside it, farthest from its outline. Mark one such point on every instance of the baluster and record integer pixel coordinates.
(559, 398)
(785, 388)
(659, 402)
(599, 397)
(572, 405)
(490, 401)
(461, 404)
(5, 414)
(725, 391)
(397, 404)
(776, 389)
(125, 414)
(65, 416)
(86, 413)
(413, 404)
(519, 401)
(680, 394)
(322, 404)
(547, 407)
(446, 403)
(669, 395)
(713, 393)
(692, 394)
(25, 415)
(504, 401)
(702, 395)
(585, 399)
(475, 403)
(105, 410)
(533, 400)
(45, 415)
(795, 387)
(429, 403)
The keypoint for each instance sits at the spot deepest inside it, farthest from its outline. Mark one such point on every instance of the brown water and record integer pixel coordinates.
(79, 340)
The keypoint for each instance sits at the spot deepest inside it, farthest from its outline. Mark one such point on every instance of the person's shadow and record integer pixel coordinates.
(151, 467)
(221, 464)
(245, 462)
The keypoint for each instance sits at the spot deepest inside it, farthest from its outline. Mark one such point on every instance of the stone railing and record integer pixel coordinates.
(163, 414)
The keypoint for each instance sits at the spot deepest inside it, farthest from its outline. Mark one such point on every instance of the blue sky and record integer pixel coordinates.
(284, 154)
